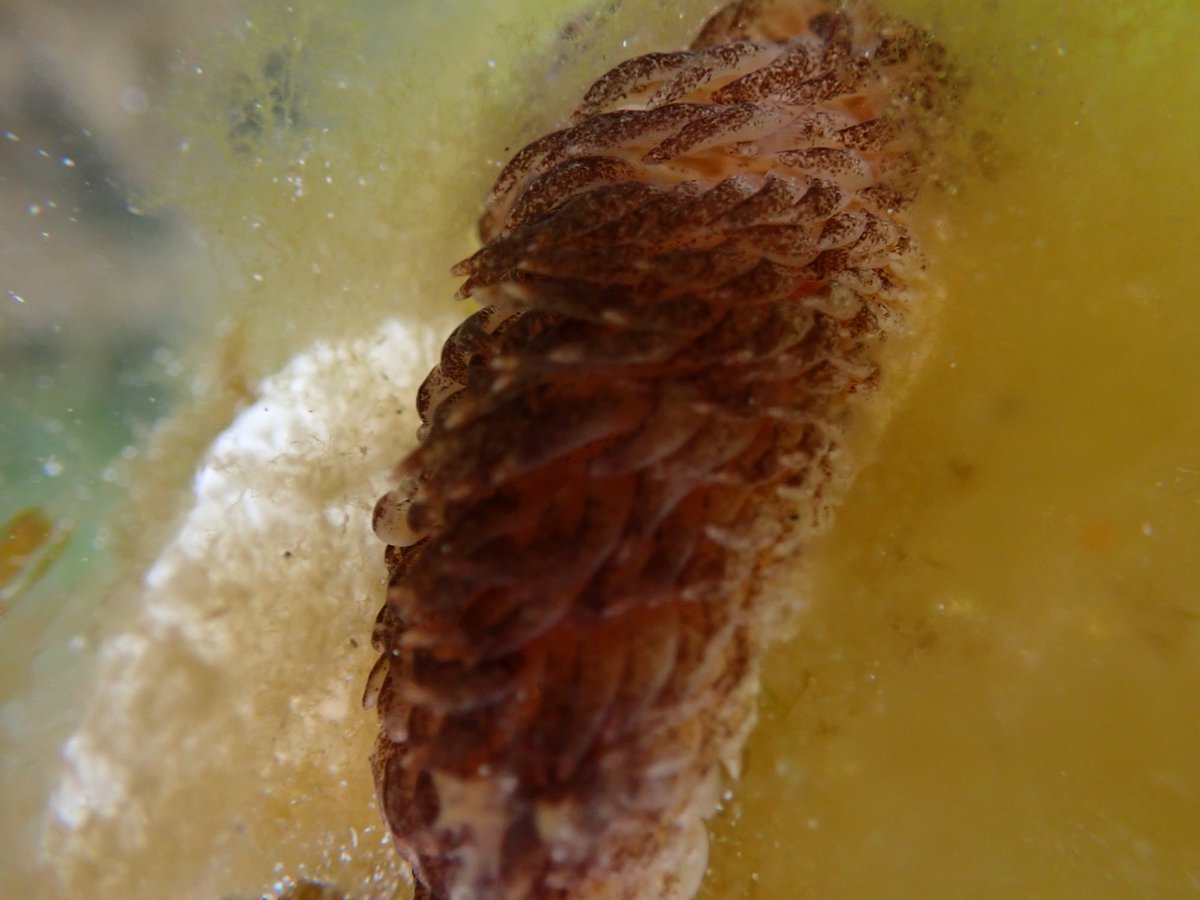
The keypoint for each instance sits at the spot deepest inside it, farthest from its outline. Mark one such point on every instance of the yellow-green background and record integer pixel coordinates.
(995, 691)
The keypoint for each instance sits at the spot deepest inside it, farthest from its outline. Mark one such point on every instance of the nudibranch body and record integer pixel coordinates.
(682, 292)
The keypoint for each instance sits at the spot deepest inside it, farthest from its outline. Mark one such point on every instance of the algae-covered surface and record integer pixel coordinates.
(996, 692)
(994, 689)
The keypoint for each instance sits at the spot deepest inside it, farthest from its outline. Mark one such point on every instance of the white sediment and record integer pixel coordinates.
(238, 662)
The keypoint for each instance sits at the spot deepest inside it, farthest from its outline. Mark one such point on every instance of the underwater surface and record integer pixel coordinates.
(225, 238)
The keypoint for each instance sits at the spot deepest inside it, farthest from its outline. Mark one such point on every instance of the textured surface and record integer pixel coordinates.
(1001, 627)
(682, 293)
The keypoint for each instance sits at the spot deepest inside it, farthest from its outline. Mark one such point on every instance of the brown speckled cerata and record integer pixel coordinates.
(682, 292)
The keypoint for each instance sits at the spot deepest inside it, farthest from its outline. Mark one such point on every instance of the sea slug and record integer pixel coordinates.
(683, 292)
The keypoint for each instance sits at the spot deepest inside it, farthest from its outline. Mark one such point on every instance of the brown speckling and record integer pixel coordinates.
(683, 293)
